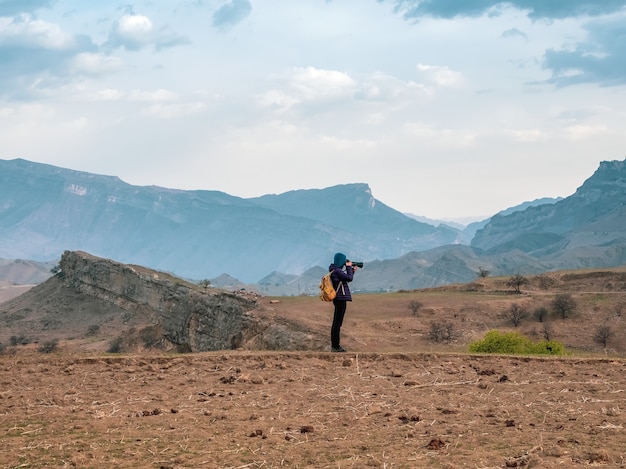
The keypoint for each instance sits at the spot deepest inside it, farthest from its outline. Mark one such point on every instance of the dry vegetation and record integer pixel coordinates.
(398, 398)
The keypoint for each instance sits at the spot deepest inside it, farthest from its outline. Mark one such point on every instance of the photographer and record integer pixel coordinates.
(340, 279)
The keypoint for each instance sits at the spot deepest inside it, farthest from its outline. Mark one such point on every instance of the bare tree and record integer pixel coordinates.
(563, 304)
(441, 331)
(516, 282)
(415, 306)
(548, 331)
(516, 314)
(541, 313)
(603, 333)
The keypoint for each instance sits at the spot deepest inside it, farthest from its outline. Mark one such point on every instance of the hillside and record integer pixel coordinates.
(95, 301)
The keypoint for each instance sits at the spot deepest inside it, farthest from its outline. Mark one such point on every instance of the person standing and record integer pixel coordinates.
(340, 279)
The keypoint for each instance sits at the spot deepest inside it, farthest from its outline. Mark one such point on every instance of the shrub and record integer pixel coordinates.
(18, 340)
(441, 331)
(151, 337)
(415, 306)
(115, 346)
(49, 346)
(514, 343)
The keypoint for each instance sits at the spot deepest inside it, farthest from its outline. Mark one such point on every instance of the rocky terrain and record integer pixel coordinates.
(136, 305)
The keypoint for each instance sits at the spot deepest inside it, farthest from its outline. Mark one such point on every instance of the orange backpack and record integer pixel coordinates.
(327, 291)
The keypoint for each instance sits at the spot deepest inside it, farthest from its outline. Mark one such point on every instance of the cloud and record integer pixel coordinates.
(310, 84)
(512, 33)
(549, 9)
(28, 32)
(231, 13)
(96, 64)
(134, 32)
(441, 76)
(15, 7)
(35, 54)
(601, 59)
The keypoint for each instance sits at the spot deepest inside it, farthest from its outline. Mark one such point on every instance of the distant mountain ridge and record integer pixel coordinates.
(45, 210)
(281, 244)
(594, 216)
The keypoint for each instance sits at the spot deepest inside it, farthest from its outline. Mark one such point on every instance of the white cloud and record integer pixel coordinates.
(311, 84)
(441, 76)
(27, 31)
(580, 132)
(131, 32)
(159, 95)
(415, 108)
(174, 111)
(96, 63)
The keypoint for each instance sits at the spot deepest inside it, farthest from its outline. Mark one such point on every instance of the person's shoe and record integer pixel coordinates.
(338, 349)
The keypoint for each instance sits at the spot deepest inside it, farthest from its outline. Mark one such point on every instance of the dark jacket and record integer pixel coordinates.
(340, 279)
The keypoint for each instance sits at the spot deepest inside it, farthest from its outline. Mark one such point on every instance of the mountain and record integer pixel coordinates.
(585, 229)
(282, 244)
(45, 210)
(25, 272)
(470, 230)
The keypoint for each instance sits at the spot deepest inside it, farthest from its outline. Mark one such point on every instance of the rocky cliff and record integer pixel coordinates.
(145, 307)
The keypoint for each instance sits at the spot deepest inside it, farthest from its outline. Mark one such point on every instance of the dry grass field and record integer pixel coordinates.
(396, 399)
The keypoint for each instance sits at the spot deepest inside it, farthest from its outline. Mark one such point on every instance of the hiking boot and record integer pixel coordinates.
(338, 349)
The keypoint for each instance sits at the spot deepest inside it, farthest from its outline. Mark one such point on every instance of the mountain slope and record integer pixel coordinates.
(45, 210)
(576, 231)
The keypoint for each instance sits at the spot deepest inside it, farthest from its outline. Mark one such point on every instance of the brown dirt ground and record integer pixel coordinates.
(311, 409)
(395, 400)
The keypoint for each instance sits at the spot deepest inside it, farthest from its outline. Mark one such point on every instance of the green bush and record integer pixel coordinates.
(516, 344)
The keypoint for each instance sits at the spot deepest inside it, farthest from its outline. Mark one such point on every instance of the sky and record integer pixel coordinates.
(452, 110)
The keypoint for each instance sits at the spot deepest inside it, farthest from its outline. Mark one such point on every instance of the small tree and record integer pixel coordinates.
(548, 331)
(541, 313)
(603, 333)
(516, 314)
(415, 306)
(204, 283)
(516, 282)
(563, 305)
(482, 273)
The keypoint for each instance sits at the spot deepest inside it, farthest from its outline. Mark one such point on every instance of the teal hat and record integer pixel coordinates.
(340, 259)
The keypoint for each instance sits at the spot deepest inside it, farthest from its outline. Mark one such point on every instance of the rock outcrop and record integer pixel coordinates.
(93, 291)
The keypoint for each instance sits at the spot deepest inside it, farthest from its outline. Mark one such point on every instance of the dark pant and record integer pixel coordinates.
(335, 330)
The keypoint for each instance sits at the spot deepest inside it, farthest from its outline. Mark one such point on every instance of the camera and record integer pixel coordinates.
(357, 264)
